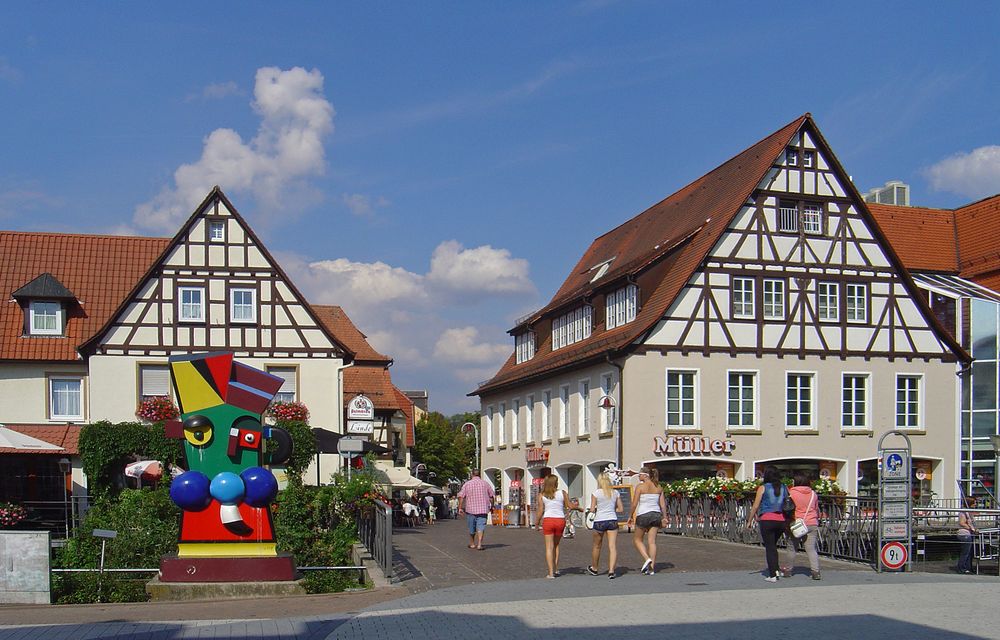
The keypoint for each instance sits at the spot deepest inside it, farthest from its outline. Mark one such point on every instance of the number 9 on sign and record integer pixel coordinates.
(893, 555)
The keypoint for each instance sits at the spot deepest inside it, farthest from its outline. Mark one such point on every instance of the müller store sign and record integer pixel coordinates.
(672, 445)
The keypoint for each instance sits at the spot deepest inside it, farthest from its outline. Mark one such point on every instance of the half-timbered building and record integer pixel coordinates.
(757, 316)
(90, 322)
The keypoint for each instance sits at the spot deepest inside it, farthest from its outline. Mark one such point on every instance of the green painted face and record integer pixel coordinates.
(207, 443)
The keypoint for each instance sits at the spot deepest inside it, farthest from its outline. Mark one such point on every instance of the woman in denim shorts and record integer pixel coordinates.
(605, 504)
(648, 507)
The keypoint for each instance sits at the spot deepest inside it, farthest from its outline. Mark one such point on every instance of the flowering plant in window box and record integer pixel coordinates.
(157, 409)
(288, 412)
(827, 487)
(11, 515)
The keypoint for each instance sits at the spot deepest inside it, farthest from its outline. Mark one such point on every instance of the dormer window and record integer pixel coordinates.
(524, 346)
(45, 318)
(620, 306)
(571, 327)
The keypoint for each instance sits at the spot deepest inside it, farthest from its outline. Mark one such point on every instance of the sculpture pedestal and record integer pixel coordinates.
(280, 568)
(160, 591)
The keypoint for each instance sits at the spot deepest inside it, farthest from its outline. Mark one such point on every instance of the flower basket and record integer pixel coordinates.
(288, 412)
(11, 515)
(157, 409)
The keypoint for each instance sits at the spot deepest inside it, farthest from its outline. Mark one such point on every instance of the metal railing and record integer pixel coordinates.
(375, 533)
(846, 524)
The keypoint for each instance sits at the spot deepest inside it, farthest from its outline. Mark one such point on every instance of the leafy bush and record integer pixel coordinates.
(147, 524)
(107, 447)
(11, 515)
(303, 447)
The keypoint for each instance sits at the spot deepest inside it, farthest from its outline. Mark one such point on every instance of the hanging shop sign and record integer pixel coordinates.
(673, 445)
(537, 457)
(360, 408)
(362, 427)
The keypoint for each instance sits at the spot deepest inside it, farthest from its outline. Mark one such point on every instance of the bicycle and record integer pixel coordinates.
(574, 519)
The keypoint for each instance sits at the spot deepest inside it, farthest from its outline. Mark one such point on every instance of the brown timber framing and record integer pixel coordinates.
(227, 273)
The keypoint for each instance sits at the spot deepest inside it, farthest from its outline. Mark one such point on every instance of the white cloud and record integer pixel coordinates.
(288, 147)
(462, 346)
(974, 175)
(366, 283)
(399, 347)
(363, 206)
(480, 270)
(19, 201)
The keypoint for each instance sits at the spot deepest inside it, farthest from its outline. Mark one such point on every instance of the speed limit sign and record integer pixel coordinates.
(893, 555)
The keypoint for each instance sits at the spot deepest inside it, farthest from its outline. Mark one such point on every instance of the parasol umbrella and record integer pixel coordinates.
(148, 470)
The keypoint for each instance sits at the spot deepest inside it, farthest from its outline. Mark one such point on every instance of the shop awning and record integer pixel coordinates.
(10, 439)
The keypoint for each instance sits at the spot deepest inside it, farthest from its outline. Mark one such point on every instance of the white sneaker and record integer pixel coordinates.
(771, 579)
(647, 567)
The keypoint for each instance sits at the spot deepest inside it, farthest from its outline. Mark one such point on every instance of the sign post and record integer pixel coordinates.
(895, 504)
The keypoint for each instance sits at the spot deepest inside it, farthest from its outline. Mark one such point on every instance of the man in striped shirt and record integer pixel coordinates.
(475, 500)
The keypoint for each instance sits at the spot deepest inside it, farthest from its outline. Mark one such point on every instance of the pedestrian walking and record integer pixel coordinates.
(474, 500)
(605, 504)
(429, 509)
(806, 509)
(648, 509)
(767, 502)
(552, 507)
(966, 529)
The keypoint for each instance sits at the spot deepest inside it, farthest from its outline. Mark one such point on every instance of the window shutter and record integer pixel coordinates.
(154, 381)
(287, 375)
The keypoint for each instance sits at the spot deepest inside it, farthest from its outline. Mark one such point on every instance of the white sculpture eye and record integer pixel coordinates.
(249, 437)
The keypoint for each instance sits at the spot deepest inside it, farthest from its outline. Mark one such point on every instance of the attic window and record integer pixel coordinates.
(808, 158)
(45, 318)
(600, 269)
(217, 231)
(524, 346)
(791, 157)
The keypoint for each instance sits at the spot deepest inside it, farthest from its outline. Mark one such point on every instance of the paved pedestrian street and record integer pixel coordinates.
(702, 589)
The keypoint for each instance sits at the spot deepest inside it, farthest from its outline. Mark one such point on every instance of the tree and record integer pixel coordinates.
(443, 448)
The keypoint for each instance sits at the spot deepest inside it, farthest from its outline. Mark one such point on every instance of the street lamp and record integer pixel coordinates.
(65, 466)
(471, 427)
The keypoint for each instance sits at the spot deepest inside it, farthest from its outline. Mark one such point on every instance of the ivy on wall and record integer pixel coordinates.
(107, 447)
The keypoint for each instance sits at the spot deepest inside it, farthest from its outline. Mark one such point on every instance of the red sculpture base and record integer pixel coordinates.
(278, 568)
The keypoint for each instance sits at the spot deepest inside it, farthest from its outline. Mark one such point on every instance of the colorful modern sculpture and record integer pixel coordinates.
(226, 529)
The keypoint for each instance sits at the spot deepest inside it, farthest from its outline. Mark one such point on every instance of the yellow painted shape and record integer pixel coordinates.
(196, 394)
(226, 549)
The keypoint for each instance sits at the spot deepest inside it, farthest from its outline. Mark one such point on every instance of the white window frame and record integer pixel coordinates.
(773, 299)
(681, 412)
(502, 425)
(754, 395)
(620, 306)
(851, 414)
(919, 414)
(856, 301)
(529, 418)
(743, 297)
(607, 386)
(828, 301)
(564, 411)
(583, 407)
(233, 306)
(158, 378)
(38, 310)
(546, 415)
(808, 159)
(212, 226)
(812, 224)
(515, 426)
(791, 157)
(788, 217)
(181, 317)
(524, 346)
(488, 426)
(51, 380)
(811, 414)
(572, 327)
(289, 390)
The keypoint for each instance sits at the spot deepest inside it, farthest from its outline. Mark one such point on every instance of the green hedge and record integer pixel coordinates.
(107, 447)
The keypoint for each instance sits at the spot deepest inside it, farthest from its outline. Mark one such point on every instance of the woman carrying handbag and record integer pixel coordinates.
(768, 503)
(806, 511)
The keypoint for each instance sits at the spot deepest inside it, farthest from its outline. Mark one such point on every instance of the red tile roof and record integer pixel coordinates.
(99, 270)
(978, 232)
(66, 436)
(374, 382)
(337, 322)
(670, 240)
(661, 248)
(924, 239)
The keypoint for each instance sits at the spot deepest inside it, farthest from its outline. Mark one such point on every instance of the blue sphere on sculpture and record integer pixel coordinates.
(190, 491)
(227, 487)
(261, 486)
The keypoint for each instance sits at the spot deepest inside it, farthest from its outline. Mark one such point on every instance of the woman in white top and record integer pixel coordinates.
(551, 509)
(606, 504)
(648, 507)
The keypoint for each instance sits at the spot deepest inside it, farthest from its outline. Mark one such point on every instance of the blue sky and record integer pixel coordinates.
(437, 168)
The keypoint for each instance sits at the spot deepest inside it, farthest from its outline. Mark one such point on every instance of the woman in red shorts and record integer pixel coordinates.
(552, 506)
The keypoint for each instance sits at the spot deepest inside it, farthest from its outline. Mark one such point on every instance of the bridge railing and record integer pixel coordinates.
(375, 533)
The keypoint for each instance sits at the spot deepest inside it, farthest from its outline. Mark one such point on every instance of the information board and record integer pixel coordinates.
(625, 491)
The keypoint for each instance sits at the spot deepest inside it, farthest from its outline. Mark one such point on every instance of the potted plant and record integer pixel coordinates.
(157, 409)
